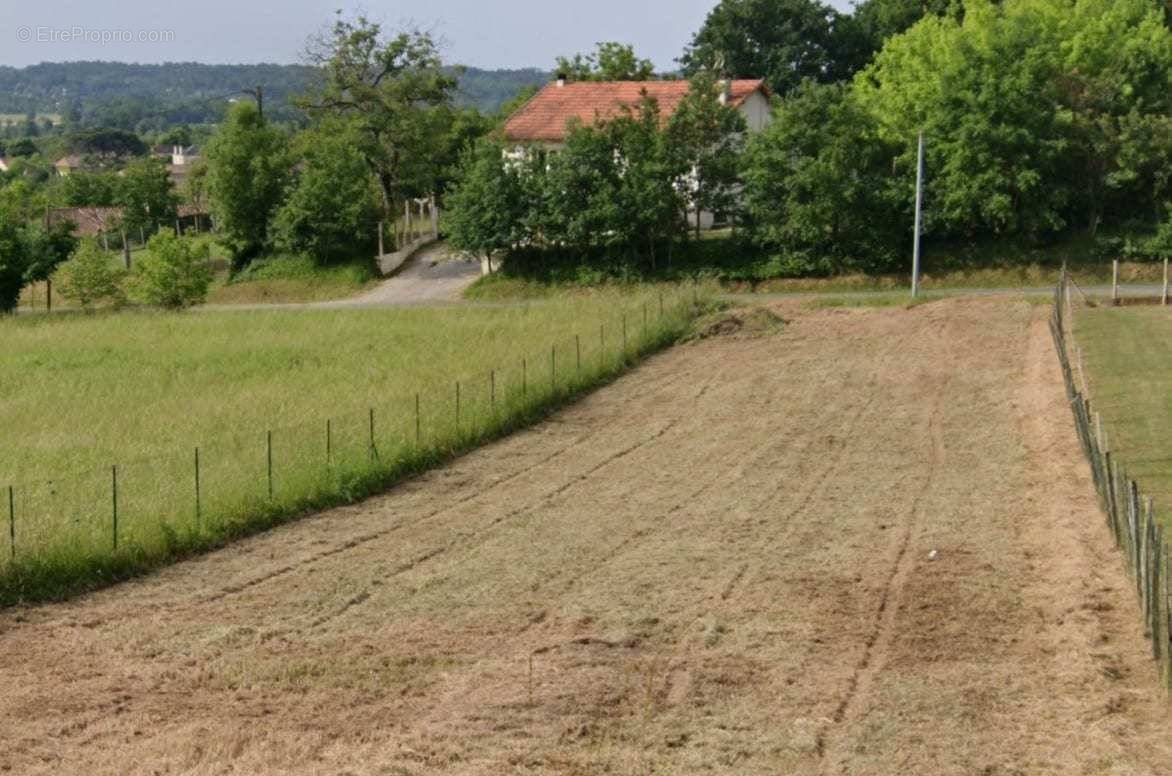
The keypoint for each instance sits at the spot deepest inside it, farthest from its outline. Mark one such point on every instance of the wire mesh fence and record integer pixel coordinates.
(156, 507)
(1131, 517)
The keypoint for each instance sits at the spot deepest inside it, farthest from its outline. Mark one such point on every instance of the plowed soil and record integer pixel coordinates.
(865, 544)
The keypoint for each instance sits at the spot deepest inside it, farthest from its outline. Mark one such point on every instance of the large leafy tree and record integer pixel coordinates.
(707, 135)
(146, 195)
(819, 187)
(783, 41)
(1036, 111)
(611, 61)
(388, 87)
(248, 165)
(489, 205)
(332, 210)
(13, 261)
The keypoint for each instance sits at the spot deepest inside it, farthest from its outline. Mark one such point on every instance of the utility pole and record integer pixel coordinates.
(919, 217)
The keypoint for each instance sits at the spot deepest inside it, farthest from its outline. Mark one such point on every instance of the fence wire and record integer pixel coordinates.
(159, 505)
(1130, 515)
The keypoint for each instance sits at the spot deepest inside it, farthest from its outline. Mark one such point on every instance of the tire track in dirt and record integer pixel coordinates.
(877, 641)
(758, 499)
(477, 536)
(459, 502)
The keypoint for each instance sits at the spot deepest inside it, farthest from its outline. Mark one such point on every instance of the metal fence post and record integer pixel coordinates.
(578, 352)
(12, 522)
(492, 390)
(198, 509)
(418, 426)
(329, 442)
(373, 447)
(457, 406)
(553, 368)
(269, 450)
(524, 378)
(624, 335)
(114, 499)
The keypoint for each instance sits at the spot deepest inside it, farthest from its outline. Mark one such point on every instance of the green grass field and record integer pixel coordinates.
(1128, 356)
(142, 391)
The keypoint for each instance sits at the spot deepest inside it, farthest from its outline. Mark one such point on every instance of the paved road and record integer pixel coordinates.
(434, 275)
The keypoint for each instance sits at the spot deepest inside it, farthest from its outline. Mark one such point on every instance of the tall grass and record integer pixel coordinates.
(352, 400)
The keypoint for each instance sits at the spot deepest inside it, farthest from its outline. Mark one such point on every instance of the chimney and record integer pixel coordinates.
(725, 91)
(561, 80)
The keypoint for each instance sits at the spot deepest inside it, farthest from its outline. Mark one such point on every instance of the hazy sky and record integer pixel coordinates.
(482, 33)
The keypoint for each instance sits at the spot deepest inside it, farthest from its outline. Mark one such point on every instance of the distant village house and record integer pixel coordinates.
(544, 122)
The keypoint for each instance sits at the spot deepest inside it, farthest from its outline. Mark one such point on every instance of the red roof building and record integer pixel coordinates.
(546, 117)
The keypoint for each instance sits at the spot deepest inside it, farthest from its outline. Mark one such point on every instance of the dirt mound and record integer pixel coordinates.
(739, 322)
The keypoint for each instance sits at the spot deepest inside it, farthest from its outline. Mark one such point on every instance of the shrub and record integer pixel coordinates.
(173, 273)
(90, 277)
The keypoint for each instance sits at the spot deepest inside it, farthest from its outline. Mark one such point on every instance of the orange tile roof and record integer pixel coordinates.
(544, 118)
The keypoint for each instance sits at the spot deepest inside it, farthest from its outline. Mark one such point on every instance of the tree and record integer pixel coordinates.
(488, 206)
(819, 186)
(879, 20)
(13, 262)
(783, 41)
(145, 193)
(173, 272)
(1025, 104)
(46, 248)
(248, 167)
(388, 88)
(105, 143)
(613, 189)
(331, 211)
(707, 134)
(88, 189)
(91, 278)
(610, 62)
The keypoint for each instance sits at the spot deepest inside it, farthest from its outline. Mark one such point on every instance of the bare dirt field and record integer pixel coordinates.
(865, 545)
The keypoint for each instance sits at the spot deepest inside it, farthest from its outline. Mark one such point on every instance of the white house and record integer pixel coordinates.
(544, 121)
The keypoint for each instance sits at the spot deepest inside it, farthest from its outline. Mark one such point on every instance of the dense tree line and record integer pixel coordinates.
(152, 98)
(1042, 118)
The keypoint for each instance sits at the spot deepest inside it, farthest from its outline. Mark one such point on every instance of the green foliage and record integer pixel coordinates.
(172, 273)
(45, 249)
(819, 186)
(13, 262)
(611, 61)
(1037, 112)
(91, 277)
(487, 209)
(88, 189)
(388, 89)
(330, 212)
(783, 41)
(248, 166)
(105, 143)
(145, 193)
(707, 137)
(613, 189)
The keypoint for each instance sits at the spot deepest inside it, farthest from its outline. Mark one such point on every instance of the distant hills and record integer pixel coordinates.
(120, 94)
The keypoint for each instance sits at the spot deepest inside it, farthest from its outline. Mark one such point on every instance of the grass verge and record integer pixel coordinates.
(1127, 352)
(138, 439)
(293, 279)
